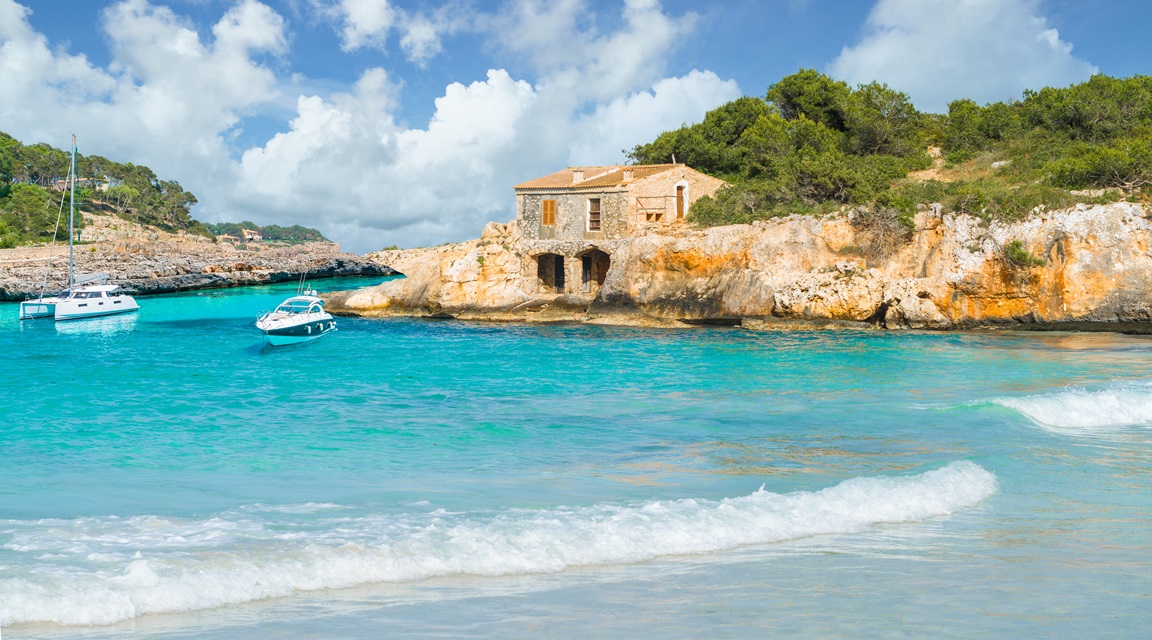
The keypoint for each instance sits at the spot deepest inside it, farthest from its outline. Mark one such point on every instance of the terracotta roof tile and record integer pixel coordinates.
(595, 177)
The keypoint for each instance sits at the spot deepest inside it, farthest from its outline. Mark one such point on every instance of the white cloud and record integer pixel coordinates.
(365, 22)
(421, 39)
(937, 51)
(174, 99)
(168, 98)
(369, 23)
(579, 58)
(636, 119)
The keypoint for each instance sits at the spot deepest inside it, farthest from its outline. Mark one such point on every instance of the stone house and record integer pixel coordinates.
(574, 219)
(251, 235)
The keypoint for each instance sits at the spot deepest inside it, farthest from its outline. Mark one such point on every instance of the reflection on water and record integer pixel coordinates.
(105, 326)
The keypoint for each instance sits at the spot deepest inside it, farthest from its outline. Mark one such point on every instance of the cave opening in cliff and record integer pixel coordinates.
(594, 266)
(550, 272)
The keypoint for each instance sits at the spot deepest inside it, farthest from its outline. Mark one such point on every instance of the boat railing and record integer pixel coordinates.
(292, 318)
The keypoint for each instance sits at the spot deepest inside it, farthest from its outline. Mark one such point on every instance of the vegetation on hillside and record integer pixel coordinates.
(814, 144)
(32, 178)
(294, 234)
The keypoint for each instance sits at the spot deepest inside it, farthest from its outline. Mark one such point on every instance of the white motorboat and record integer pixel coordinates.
(77, 302)
(298, 319)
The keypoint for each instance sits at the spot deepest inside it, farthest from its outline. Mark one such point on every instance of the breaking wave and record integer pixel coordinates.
(1080, 411)
(107, 569)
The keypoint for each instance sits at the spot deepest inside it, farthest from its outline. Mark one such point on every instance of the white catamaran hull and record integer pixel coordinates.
(40, 308)
(76, 309)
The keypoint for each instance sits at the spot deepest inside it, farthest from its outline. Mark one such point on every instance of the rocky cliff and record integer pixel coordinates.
(1083, 267)
(144, 261)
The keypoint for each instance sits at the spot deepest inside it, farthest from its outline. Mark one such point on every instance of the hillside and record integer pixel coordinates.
(813, 145)
(33, 179)
(294, 234)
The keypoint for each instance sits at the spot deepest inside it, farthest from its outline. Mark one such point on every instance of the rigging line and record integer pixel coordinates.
(52, 247)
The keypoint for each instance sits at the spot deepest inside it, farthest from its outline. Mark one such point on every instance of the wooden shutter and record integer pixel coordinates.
(549, 217)
(594, 214)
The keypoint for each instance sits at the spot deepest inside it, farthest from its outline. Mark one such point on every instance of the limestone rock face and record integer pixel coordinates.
(145, 261)
(481, 278)
(952, 271)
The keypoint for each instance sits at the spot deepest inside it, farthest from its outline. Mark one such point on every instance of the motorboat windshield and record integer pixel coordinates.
(299, 305)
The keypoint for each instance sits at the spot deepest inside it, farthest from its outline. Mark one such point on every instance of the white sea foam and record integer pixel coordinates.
(111, 569)
(1080, 411)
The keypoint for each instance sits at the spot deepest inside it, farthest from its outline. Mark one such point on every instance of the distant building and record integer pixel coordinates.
(251, 235)
(95, 184)
(227, 238)
(580, 214)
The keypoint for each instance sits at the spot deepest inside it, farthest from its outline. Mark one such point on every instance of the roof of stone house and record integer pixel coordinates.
(595, 176)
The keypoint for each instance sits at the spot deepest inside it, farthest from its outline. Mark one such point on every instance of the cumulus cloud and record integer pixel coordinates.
(174, 98)
(169, 98)
(369, 23)
(628, 121)
(562, 42)
(941, 50)
(362, 22)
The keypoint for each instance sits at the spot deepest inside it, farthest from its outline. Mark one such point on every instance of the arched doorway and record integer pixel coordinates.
(594, 266)
(550, 273)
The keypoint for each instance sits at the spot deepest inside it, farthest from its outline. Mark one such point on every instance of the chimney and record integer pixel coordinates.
(628, 175)
(577, 175)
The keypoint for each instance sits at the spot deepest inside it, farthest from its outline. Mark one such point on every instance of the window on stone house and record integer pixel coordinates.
(549, 212)
(593, 214)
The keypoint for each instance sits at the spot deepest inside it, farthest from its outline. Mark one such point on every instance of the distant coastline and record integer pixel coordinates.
(144, 261)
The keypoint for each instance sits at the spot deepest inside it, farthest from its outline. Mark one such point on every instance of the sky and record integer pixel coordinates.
(407, 122)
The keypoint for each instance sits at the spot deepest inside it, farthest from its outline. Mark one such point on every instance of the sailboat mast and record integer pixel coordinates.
(71, 209)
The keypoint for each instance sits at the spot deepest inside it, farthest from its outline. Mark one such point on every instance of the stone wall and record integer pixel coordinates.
(663, 186)
(572, 215)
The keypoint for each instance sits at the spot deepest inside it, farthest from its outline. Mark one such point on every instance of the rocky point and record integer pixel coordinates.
(1087, 267)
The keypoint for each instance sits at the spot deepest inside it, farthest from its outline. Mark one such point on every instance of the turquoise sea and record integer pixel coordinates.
(164, 475)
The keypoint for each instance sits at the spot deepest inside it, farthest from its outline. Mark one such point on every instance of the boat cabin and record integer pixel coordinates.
(292, 306)
(102, 291)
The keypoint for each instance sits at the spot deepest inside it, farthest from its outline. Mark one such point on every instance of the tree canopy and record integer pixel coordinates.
(32, 179)
(814, 144)
(294, 234)
(811, 142)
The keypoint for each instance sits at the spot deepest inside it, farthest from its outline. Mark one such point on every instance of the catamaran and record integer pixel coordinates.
(78, 301)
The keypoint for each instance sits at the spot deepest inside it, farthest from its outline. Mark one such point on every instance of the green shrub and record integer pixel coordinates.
(1017, 256)
(1125, 163)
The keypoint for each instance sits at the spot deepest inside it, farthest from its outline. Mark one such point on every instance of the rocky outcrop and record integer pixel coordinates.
(952, 271)
(146, 261)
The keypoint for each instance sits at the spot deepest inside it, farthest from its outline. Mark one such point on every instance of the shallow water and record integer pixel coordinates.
(165, 475)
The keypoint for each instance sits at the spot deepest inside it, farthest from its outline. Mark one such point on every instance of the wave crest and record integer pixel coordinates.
(104, 570)
(1078, 410)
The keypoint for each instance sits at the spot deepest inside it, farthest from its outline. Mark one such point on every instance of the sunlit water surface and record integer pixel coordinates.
(164, 475)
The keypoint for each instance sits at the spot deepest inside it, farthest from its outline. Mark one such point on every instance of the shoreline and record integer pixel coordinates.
(761, 325)
(145, 261)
